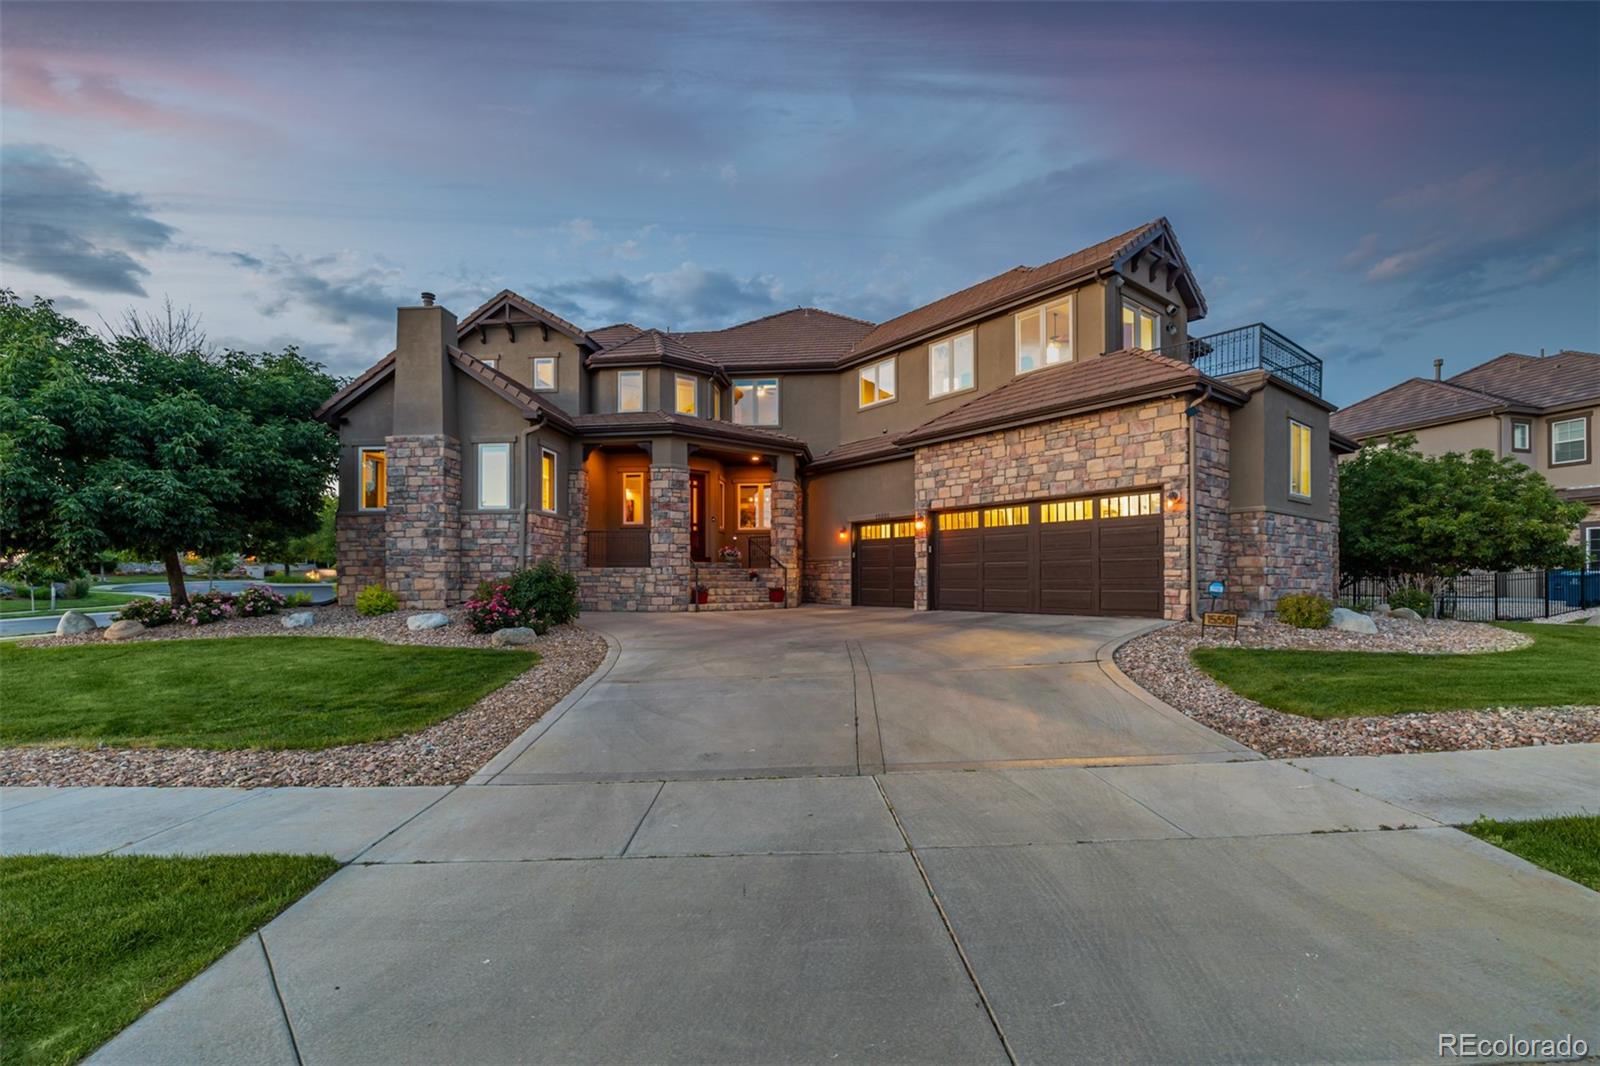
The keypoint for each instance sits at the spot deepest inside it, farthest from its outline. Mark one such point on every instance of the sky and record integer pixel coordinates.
(1385, 184)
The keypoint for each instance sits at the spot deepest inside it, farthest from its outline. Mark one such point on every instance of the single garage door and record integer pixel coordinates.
(885, 564)
(1094, 555)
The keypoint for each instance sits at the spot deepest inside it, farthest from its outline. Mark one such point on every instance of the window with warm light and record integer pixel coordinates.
(995, 517)
(1141, 327)
(755, 506)
(1130, 505)
(755, 401)
(1066, 511)
(633, 499)
(547, 480)
(544, 373)
(630, 390)
(1299, 460)
(1569, 441)
(686, 402)
(374, 480)
(954, 520)
(876, 382)
(1044, 335)
(950, 365)
(886, 530)
(494, 477)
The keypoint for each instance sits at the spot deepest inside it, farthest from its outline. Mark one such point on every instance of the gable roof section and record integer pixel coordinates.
(506, 298)
(805, 337)
(607, 336)
(654, 348)
(525, 400)
(1567, 377)
(357, 387)
(1121, 377)
(1412, 404)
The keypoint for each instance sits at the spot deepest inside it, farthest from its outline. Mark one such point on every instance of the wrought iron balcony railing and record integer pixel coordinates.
(1257, 347)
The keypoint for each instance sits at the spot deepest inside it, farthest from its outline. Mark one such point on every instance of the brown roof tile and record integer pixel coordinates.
(1564, 378)
(869, 450)
(606, 336)
(805, 337)
(669, 422)
(1413, 403)
(654, 348)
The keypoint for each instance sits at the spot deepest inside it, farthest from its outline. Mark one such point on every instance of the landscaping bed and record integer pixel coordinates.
(1160, 661)
(447, 752)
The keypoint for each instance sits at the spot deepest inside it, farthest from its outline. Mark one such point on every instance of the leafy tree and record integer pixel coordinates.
(112, 446)
(1407, 518)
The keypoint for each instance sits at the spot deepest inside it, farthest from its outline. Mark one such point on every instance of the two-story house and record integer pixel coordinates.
(1049, 440)
(1538, 409)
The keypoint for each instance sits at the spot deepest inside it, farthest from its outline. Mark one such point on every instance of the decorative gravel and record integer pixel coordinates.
(1159, 661)
(445, 753)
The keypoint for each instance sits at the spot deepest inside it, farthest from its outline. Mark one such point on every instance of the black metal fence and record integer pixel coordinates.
(1486, 597)
(1257, 347)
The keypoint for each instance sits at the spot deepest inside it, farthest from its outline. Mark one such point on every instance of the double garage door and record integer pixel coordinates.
(1097, 555)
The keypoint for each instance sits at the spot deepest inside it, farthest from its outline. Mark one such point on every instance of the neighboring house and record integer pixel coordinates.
(1046, 440)
(1539, 409)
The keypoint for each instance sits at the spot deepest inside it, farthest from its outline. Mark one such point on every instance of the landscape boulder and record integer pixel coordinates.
(1352, 621)
(126, 629)
(1594, 620)
(74, 622)
(1380, 610)
(1407, 613)
(505, 638)
(299, 620)
(430, 620)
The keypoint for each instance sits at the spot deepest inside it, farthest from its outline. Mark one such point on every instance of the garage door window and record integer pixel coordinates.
(959, 520)
(887, 530)
(1067, 511)
(1005, 516)
(1131, 505)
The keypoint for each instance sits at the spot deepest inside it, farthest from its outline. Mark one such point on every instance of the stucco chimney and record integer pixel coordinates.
(424, 390)
(1438, 370)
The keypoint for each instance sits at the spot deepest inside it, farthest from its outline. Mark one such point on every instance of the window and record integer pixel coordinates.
(1299, 460)
(1141, 327)
(1591, 547)
(1521, 436)
(1005, 516)
(547, 480)
(1569, 441)
(755, 506)
(374, 479)
(1044, 335)
(950, 365)
(1067, 511)
(1130, 505)
(886, 530)
(494, 477)
(959, 520)
(544, 373)
(633, 508)
(877, 382)
(755, 401)
(489, 360)
(684, 395)
(630, 390)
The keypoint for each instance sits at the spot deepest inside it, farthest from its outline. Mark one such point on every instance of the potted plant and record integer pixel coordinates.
(775, 593)
(729, 554)
(702, 594)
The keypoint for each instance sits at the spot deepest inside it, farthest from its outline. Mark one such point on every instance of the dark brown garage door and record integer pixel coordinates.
(885, 563)
(1097, 555)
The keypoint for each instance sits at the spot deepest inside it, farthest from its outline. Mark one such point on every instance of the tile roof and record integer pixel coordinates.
(606, 336)
(527, 307)
(1566, 377)
(869, 450)
(356, 388)
(1115, 378)
(625, 422)
(1416, 402)
(652, 348)
(803, 337)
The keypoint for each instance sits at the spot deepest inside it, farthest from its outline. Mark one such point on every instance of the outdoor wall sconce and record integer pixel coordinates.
(1174, 501)
(844, 532)
(921, 524)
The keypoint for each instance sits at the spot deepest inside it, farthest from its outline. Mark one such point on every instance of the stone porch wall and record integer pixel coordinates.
(826, 581)
(1274, 554)
(358, 542)
(664, 584)
(489, 548)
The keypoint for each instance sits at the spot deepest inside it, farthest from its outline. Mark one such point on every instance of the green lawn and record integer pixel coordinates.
(240, 692)
(17, 606)
(1568, 846)
(89, 944)
(1562, 667)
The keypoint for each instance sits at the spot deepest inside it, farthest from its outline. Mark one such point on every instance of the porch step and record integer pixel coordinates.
(738, 605)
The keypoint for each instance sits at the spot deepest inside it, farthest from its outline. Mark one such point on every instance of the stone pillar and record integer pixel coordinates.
(422, 527)
(577, 516)
(667, 586)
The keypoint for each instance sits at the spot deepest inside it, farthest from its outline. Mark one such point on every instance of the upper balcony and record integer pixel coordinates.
(1257, 347)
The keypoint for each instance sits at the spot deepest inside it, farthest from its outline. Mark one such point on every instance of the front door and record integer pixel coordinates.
(697, 517)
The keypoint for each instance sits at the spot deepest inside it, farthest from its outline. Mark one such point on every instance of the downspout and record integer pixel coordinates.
(1194, 522)
(527, 484)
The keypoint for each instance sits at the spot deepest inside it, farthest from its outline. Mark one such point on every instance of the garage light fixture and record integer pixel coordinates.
(922, 524)
(1174, 501)
(844, 532)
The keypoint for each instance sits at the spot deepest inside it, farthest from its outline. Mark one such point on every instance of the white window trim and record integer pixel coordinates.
(751, 384)
(555, 478)
(1141, 305)
(951, 341)
(644, 502)
(1294, 468)
(874, 365)
(1580, 420)
(361, 478)
(1044, 332)
(694, 394)
(1524, 424)
(738, 516)
(555, 373)
(479, 447)
(629, 374)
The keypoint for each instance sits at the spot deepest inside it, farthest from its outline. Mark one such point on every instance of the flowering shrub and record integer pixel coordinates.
(376, 600)
(204, 609)
(147, 612)
(257, 600)
(729, 553)
(485, 615)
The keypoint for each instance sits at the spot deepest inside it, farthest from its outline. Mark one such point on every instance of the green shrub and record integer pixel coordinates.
(1411, 596)
(1305, 610)
(546, 591)
(375, 600)
(297, 599)
(78, 588)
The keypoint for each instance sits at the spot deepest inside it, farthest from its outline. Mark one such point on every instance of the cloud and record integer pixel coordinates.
(580, 231)
(688, 296)
(336, 289)
(58, 218)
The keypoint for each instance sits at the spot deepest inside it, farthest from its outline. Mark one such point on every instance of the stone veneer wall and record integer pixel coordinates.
(1145, 445)
(358, 542)
(664, 584)
(1274, 554)
(826, 581)
(422, 528)
(787, 529)
(489, 548)
(1212, 425)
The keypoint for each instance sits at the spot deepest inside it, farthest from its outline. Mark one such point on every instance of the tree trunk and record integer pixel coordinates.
(175, 579)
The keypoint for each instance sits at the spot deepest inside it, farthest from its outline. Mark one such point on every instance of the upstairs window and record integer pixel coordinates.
(1569, 441)
(1141, 327)
(632, 499)
(494, 477)
(1299, 460)
(1591, 547)
(547, 480)
(950, 366)
(374, 480)
(1521, 436)
(755, 506)
(1044, 335)
(630, 390)
(684, 395)
(544, 373)
(876, 382)
(755, 401)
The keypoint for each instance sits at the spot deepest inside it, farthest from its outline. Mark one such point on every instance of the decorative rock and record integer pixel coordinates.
(126, 629)
(503, 638)
(1594, 620)
(1380, 610)
(74, 622)
(299, 620)
(430, 620)
(1407, 613)
(1352, 621)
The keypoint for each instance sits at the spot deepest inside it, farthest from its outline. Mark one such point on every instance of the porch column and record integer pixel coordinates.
(667, 583)
(786, 521)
